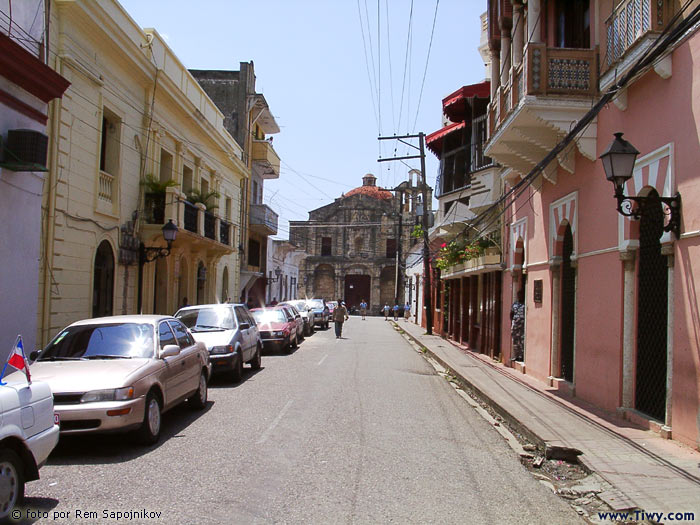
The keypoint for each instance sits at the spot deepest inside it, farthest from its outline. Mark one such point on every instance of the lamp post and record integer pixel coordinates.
(147, 255)
(618, 162)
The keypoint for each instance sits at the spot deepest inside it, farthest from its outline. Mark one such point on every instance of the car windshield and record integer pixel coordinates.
(207, 319)
(315, 303)
(269, 316)
(299, 305)
(101, 341)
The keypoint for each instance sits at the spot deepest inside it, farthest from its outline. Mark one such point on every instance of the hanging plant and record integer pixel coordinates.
(155, 185)
(208, 198)
(417, 232)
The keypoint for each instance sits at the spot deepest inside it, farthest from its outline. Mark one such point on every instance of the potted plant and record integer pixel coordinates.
(154, 197)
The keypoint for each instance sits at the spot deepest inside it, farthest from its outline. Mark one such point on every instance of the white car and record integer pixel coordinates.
(28, 434)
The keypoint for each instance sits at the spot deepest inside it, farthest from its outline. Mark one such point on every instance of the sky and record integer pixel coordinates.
(336, 75)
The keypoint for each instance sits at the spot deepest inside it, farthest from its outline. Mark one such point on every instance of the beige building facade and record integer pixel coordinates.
(132, 145)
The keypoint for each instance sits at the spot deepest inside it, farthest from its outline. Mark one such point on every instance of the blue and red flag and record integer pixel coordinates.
(17, 360)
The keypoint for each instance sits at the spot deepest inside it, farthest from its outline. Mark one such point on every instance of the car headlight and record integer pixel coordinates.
(116, 394)
(278, 334)
(227, 349)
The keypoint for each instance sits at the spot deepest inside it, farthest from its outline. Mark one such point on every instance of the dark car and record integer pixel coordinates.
(230, 334)
(322, 313)
(278, 330)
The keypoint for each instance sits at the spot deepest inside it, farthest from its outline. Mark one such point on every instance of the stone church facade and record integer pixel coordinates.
(354, 244)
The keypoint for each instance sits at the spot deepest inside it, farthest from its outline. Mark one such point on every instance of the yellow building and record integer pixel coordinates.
(134, 143)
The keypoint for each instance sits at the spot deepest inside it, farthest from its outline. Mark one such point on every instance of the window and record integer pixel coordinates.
(242, 315)
(228, 208)
(109, 148)
(391, 248)
(166, 166)
(253, 253)
(572, 23)
(187, 179)
(255, 193)
(165, 335)
(183, 338)
(326, 246)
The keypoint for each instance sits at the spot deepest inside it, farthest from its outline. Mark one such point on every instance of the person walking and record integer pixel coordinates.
(363, 310)
(386, 312)
(396, 311)
(406, 311)
(517, 327)
(340, 315)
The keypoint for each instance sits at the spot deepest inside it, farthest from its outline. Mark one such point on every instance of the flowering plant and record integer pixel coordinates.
(456, 252)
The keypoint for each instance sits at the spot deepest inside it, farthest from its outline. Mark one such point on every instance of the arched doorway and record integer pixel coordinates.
(652, 312)
(324, 282)
(224, 286)
(160, 288)
(568, 307)
(201, 283)
(183, 286)
(103, 281)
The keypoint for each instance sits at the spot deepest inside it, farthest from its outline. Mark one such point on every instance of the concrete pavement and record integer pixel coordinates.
(648, 472)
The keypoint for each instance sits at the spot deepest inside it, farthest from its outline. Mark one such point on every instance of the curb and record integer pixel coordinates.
(551, 451)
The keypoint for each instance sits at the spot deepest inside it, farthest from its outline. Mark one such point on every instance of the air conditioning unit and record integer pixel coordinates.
(24, 150)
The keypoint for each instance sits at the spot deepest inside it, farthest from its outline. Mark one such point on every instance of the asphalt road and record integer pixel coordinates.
(356, 430)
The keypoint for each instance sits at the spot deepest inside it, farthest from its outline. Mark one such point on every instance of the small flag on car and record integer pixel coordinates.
(17, 360)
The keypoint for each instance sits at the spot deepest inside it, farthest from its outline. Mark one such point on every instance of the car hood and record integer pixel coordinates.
(214, 338)
(16, 392)
(83, 376)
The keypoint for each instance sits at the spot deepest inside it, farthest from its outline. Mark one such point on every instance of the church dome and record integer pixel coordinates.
(369, 188)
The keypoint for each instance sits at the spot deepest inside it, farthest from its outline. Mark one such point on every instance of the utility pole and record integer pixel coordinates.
(427, 288)
(398, 247)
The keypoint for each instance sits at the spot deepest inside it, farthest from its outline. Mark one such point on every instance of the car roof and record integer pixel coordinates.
(213, 305)
(116, 319)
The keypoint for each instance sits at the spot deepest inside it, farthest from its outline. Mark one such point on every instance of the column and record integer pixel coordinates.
(518, 32)
(495, 74)
(555, 365)
(505, 51)
(534, 22)
(628, 313)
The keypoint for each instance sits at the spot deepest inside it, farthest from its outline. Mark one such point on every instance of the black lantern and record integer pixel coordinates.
(278, 273)
(618, 162)
(147, 255)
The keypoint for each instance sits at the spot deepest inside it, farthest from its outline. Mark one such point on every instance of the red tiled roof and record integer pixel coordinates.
(455, 104)
(371, 191)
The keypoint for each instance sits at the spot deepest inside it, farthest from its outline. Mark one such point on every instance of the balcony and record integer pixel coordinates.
(266, 163)
(536, 109)
(198, 227)
(630, 30)
(263, 220)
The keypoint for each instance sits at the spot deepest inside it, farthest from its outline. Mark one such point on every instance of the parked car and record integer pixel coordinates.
(28, 434)
(278, 330)
(321, 312)
(115, 374)
(294, 313)
(230, 334)
(307, 314)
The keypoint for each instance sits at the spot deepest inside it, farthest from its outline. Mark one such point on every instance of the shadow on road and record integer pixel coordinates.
(97, 449)
(223, 379)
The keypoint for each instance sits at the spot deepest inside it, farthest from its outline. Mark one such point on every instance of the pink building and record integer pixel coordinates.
(612, 313)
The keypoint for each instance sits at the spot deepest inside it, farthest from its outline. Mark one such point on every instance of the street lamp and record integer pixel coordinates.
(278, 273)
(618, 162)
(149, 254)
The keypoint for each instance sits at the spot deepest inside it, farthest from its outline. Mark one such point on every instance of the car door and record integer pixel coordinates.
(243, 318)
(175, 373)
(190, 355)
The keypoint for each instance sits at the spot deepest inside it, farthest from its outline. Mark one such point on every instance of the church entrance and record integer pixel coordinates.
(357, 287)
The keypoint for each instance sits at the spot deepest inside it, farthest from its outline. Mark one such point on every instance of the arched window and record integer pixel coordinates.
(103, 281)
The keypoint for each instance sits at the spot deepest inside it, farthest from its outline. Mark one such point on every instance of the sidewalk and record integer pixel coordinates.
(649, 473)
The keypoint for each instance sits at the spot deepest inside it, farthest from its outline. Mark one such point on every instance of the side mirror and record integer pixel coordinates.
(34, 355)
(244, 326)
(169, 351)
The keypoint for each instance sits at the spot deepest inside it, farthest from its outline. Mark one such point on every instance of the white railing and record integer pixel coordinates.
(630, 20)
(106, 185)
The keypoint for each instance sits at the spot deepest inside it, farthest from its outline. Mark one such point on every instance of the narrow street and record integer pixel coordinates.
(357, 430)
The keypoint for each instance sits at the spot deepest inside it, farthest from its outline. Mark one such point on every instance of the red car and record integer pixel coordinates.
(278, 331)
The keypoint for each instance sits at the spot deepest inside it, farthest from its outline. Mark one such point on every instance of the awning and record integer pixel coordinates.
(455, 105)
(434, 140)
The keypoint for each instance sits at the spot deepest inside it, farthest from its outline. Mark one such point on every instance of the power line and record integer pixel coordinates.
(427, 60)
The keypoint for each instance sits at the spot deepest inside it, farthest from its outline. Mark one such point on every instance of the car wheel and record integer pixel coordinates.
(11, 482)
(302, 335)
(294, 344)
(237, 375)
(198, 400)
(149, 432)
(256, 363)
